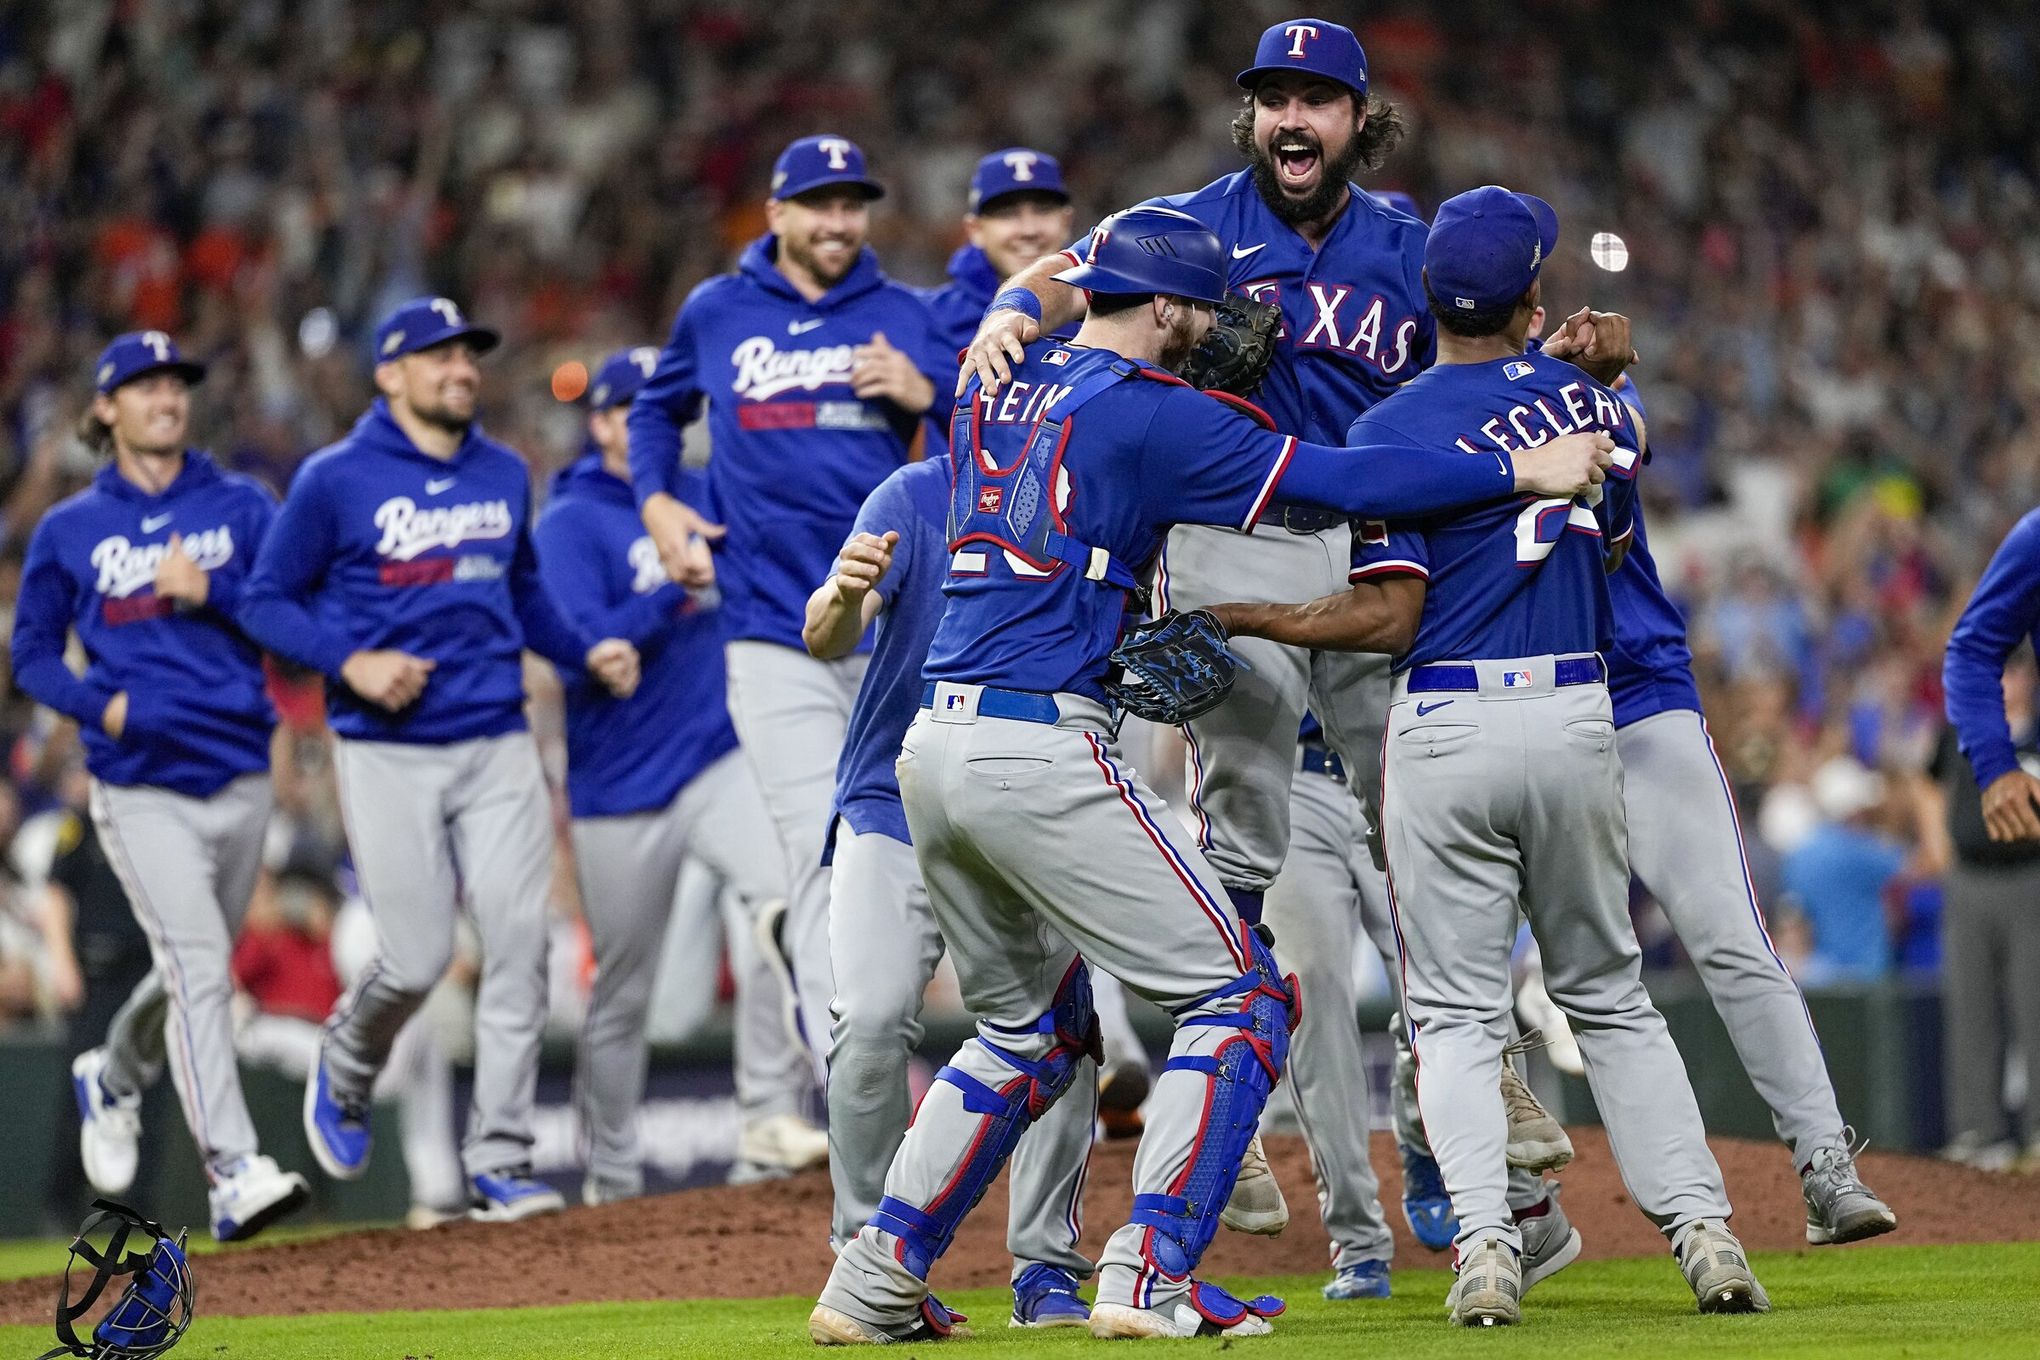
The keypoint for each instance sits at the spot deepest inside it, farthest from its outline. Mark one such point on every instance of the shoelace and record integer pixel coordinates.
(1836, 1162)
(1516, 1095)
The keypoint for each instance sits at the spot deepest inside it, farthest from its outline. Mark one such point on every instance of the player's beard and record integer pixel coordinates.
(802, 253)
(1182, 340)
(1317, 205)
(438, 414)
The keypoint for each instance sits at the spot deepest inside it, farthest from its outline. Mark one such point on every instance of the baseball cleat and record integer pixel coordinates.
(781, 1144)
(1550, 1241)
(595, 1191)
(827, 1326)
(1488, 1291)
(1365, 1280)
(252, 1194)
(1839, 1207)
(1122, 1086)
(1715, 1264)
(1204, 1310)
(1536, 1141)
(1425, 1205)
(510, 1195)
(1256, 1205)
(109, 1126)
(1046, 1296)
(338, 1132)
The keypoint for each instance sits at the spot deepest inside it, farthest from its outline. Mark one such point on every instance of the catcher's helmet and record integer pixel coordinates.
(1151, 250)
(151, 1314)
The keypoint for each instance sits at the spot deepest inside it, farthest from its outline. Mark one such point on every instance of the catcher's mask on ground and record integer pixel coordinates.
(151, 1314)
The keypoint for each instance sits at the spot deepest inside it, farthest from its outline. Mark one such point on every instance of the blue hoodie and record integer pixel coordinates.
(379, 544)
(198, 716)
(795, 450)
(959, 305)
(2004, 612)
(636, 754)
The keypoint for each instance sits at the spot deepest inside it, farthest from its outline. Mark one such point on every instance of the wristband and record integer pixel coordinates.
(1021, 300)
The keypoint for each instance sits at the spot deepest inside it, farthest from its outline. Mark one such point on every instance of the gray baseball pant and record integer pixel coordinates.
(791, 713)
(1990, 933)
(629, 870)
(1037, 844)
(1243, 752)
(434, 827)
(188, 866)
(885, 946)
(1513, 795)
(1685, 843)
(1314, 909)
(135, 1038)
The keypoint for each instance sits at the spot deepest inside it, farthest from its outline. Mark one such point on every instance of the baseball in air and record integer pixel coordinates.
(1610, 251)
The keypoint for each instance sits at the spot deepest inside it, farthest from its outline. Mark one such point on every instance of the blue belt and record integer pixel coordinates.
(1020, 705)
(1462, 677)
(1321, 760)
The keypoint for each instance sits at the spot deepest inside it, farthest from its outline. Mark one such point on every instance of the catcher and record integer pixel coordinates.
(1040, 848)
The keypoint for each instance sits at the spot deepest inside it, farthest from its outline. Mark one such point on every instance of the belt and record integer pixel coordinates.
(1313, 759)
(1019, 705)
(1304, 519)
(1461, 677)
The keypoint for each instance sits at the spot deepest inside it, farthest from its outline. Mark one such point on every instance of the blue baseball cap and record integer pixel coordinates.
(138, 354)
(1487, 246)
(1151, 250)
(1316, 46)
(818, 162)
(621, 375)
(424, 322)
(1016, 170)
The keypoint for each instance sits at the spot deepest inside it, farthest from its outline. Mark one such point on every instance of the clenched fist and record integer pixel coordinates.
(387, 678)
(615, 663)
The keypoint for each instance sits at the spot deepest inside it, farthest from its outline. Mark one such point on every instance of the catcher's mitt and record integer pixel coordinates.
(1235, 353)
(1173, 668)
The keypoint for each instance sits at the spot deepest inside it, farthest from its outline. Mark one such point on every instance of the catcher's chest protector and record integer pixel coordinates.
(1014, 507)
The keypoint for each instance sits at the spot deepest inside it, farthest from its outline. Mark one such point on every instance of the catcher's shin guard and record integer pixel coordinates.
(1004, 1111)
(1262, 1008)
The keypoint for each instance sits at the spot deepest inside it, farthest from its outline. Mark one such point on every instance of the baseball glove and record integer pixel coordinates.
(1173, 668)
(1234, 354)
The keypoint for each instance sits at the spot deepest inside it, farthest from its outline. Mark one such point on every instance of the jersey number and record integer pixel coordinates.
(1542, 523)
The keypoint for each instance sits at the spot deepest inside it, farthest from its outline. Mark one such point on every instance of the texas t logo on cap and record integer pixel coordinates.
(1021, 163)
(1298, 35)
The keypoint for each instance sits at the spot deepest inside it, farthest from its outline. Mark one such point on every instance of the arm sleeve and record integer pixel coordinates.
(665, 404)
(570, 563)
(275, 607)
(2000, 614)
(224, 588)
(42, 622)
(1381, 549)
(545, 631)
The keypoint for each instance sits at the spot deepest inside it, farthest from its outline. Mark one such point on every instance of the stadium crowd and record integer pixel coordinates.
(1831, 216)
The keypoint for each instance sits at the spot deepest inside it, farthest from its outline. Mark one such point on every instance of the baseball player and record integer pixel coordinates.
(883, 939)
(1343, 267)
(651, 780)
(401, 569)
(146, 566)
(1040, 848)
(1500, 780)
(816, 369)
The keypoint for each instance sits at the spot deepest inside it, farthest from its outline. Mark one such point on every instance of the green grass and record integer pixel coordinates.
(1969, 1302)
(23, 1257)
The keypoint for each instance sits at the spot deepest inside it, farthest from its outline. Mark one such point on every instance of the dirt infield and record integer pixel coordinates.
(736, 1242)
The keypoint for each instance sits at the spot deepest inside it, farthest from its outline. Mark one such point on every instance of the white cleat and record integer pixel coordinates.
(109, 1126)
(253, 1194)
(1256, 1205)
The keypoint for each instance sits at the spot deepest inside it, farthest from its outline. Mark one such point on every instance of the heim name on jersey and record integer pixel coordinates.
(126, 567)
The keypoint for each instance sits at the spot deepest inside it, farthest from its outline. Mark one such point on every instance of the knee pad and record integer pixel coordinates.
(1263, 1007)
(1005, 1111)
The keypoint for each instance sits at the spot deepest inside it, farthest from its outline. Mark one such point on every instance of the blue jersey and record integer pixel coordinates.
(598, 563)
(2004, 611)
(1137, 457)
(198, 716)
(913, 502)
(1355, 325)
(1523, 578)
(795, 451)
(378, 545)
(1650, 669)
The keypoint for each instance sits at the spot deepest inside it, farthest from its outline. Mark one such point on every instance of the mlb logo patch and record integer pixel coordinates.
(1056, 358)
(990, 498)
(1516, 370)
(1515, 679)
(955, 701)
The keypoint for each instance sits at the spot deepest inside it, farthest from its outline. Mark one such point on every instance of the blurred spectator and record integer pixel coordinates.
(283, 960)
(1838, 877)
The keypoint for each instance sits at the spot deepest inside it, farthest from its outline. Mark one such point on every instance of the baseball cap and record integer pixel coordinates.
(1487, 246)
(137, 354)
(818, 162)
(621, 375)
(1317, 46)
(424, 322)
(1016, 170)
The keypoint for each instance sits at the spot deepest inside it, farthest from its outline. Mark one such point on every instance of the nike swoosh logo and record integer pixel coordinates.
(154, 522)
(803, 327)
(1426, 710)
(1241, 252)
(437, 485)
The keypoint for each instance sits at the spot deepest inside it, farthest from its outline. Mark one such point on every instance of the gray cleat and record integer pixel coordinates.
(1718, 1268)
(1550, 1241)
(1839, 1207)
(1489, 1289)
